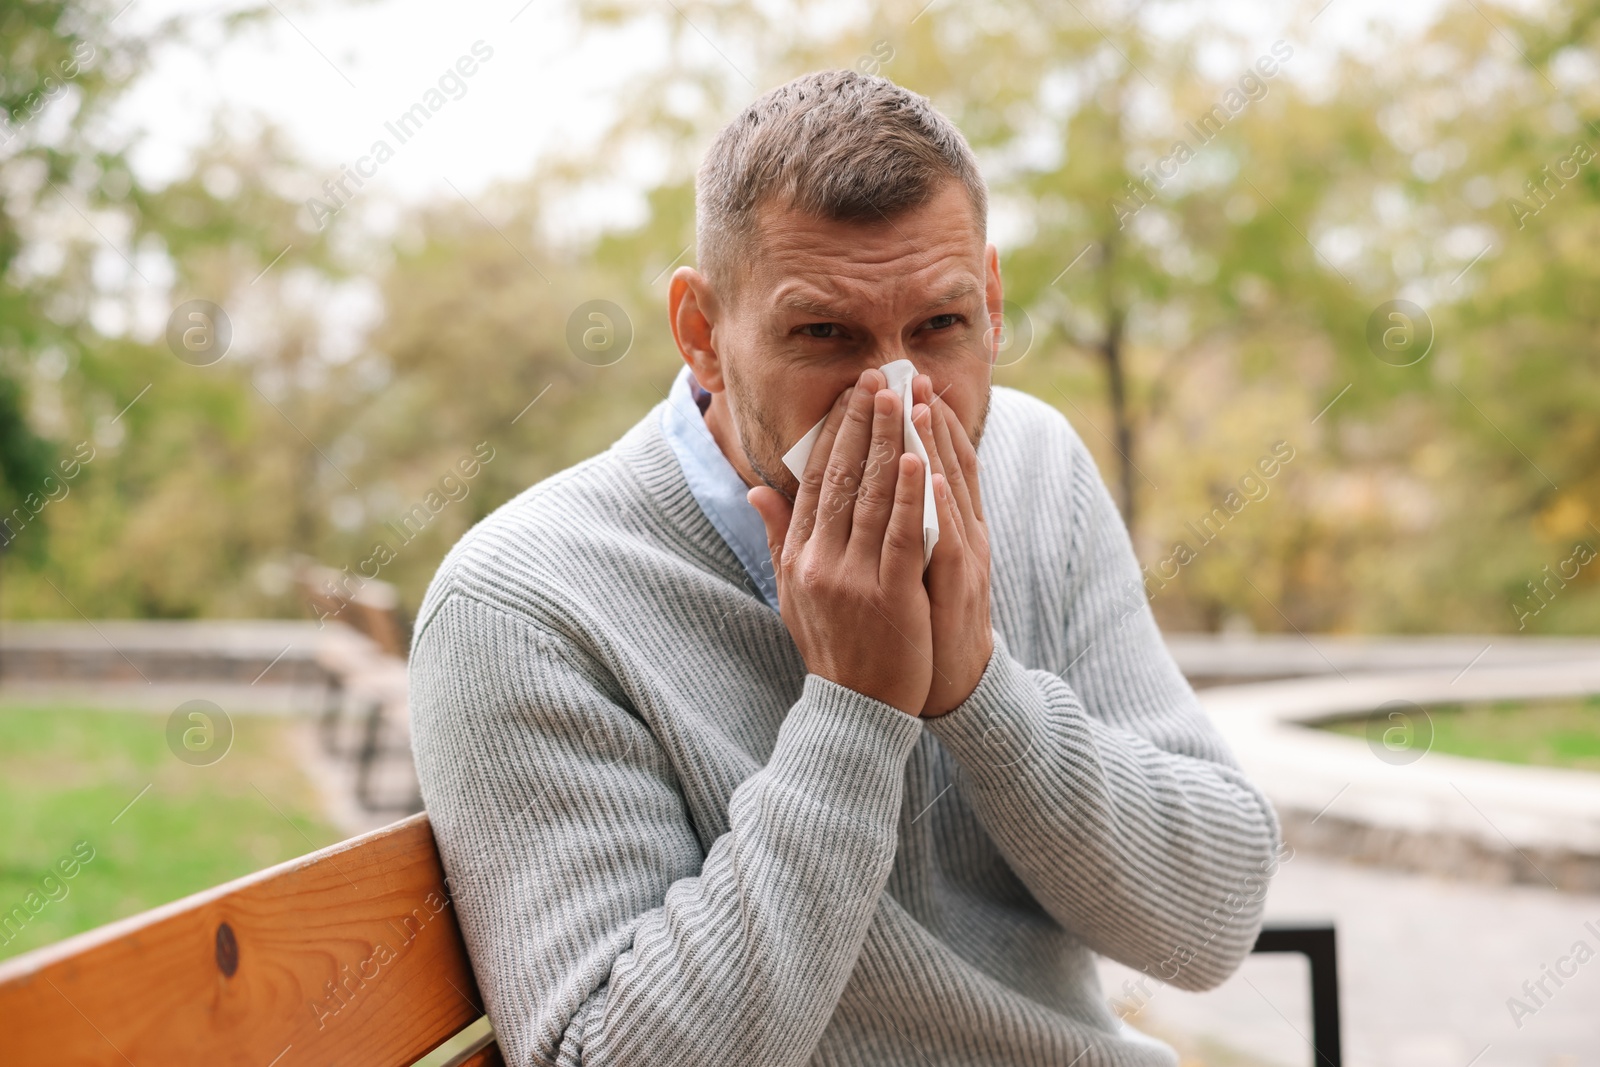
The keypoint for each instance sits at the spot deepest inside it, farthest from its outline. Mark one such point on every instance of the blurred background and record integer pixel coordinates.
(291, 295)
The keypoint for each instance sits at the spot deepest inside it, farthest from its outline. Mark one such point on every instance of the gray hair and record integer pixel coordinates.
(834, 144)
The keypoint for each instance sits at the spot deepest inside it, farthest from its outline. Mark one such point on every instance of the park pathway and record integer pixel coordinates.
(1427, 966)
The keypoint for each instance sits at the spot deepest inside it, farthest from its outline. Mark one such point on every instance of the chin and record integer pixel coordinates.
(784, 484)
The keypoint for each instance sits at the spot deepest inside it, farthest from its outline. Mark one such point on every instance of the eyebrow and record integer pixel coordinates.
(800, 302)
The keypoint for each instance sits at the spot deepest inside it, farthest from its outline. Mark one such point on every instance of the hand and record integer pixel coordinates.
(848, 552)
(958, 572)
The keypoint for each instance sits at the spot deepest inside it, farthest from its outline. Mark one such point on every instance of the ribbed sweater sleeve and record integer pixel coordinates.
(600, 929)
(1114, 799)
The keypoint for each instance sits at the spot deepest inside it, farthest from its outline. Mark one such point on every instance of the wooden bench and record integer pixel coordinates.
(350, 955)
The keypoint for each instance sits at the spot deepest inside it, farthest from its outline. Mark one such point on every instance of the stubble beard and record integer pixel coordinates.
(766, 437)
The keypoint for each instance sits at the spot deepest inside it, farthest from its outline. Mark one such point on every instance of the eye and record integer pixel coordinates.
(811, 329)
(939, 322)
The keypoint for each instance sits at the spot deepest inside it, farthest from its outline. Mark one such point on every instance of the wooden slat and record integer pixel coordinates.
(488, 1056)
(240, 974)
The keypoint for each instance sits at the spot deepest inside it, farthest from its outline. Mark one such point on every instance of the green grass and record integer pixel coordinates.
(1546, 733)
(68, 775)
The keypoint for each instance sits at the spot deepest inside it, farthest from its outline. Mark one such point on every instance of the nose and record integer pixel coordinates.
(882, 357)
(890, 351)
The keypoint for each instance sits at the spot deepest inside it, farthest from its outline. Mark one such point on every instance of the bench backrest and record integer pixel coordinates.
(348, 955)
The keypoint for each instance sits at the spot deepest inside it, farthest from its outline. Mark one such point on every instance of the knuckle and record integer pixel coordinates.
(876, 491)
(812, 477)
(842, 484)
(899, 538)
(873, 500)
(812, 573)
(872, 467)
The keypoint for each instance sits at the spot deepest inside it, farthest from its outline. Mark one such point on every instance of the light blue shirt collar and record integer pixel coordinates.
(717, 487)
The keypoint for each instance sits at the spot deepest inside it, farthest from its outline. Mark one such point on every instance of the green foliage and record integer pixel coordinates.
(1190, 309)
(24, 465)
(46, 54)
(1187, 321)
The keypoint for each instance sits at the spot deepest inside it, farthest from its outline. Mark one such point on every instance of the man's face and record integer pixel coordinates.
(825, 301)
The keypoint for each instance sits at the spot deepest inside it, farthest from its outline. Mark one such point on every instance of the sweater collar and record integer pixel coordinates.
(715, 484)
(649, 452)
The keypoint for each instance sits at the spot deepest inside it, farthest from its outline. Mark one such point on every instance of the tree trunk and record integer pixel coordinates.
(1122, 427)
(1111, 350)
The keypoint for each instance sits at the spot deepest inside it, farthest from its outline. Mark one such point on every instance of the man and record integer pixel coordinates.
(721, 775)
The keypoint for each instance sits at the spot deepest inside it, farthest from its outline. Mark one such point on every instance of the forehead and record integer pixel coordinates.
(806, 264)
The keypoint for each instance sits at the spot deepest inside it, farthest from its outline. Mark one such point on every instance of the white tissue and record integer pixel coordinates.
(900, 372)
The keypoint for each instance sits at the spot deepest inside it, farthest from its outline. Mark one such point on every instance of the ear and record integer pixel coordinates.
(694, 311)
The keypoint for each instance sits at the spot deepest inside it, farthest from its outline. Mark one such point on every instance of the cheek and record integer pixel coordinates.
(966, 393)
(974, 416)
(764, 410)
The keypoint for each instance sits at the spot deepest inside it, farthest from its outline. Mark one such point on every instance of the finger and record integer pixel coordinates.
(946, 428)
(924, 422)
(776, 514)
(901, 563)
(842, 479)
(875, 501)
(921, 389)
(805, 498)
(950, 550)
(961, 461)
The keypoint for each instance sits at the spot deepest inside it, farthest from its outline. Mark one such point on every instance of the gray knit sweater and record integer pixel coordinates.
(667, 843)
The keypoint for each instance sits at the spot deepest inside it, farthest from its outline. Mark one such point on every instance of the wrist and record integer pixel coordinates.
(999, 731)
(907, 699)
(903, 703)
(948, 693)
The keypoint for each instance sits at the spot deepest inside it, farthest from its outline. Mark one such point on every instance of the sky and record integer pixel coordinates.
(332, 75)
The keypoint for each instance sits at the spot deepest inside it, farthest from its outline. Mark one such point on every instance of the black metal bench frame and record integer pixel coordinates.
(1316, 942)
